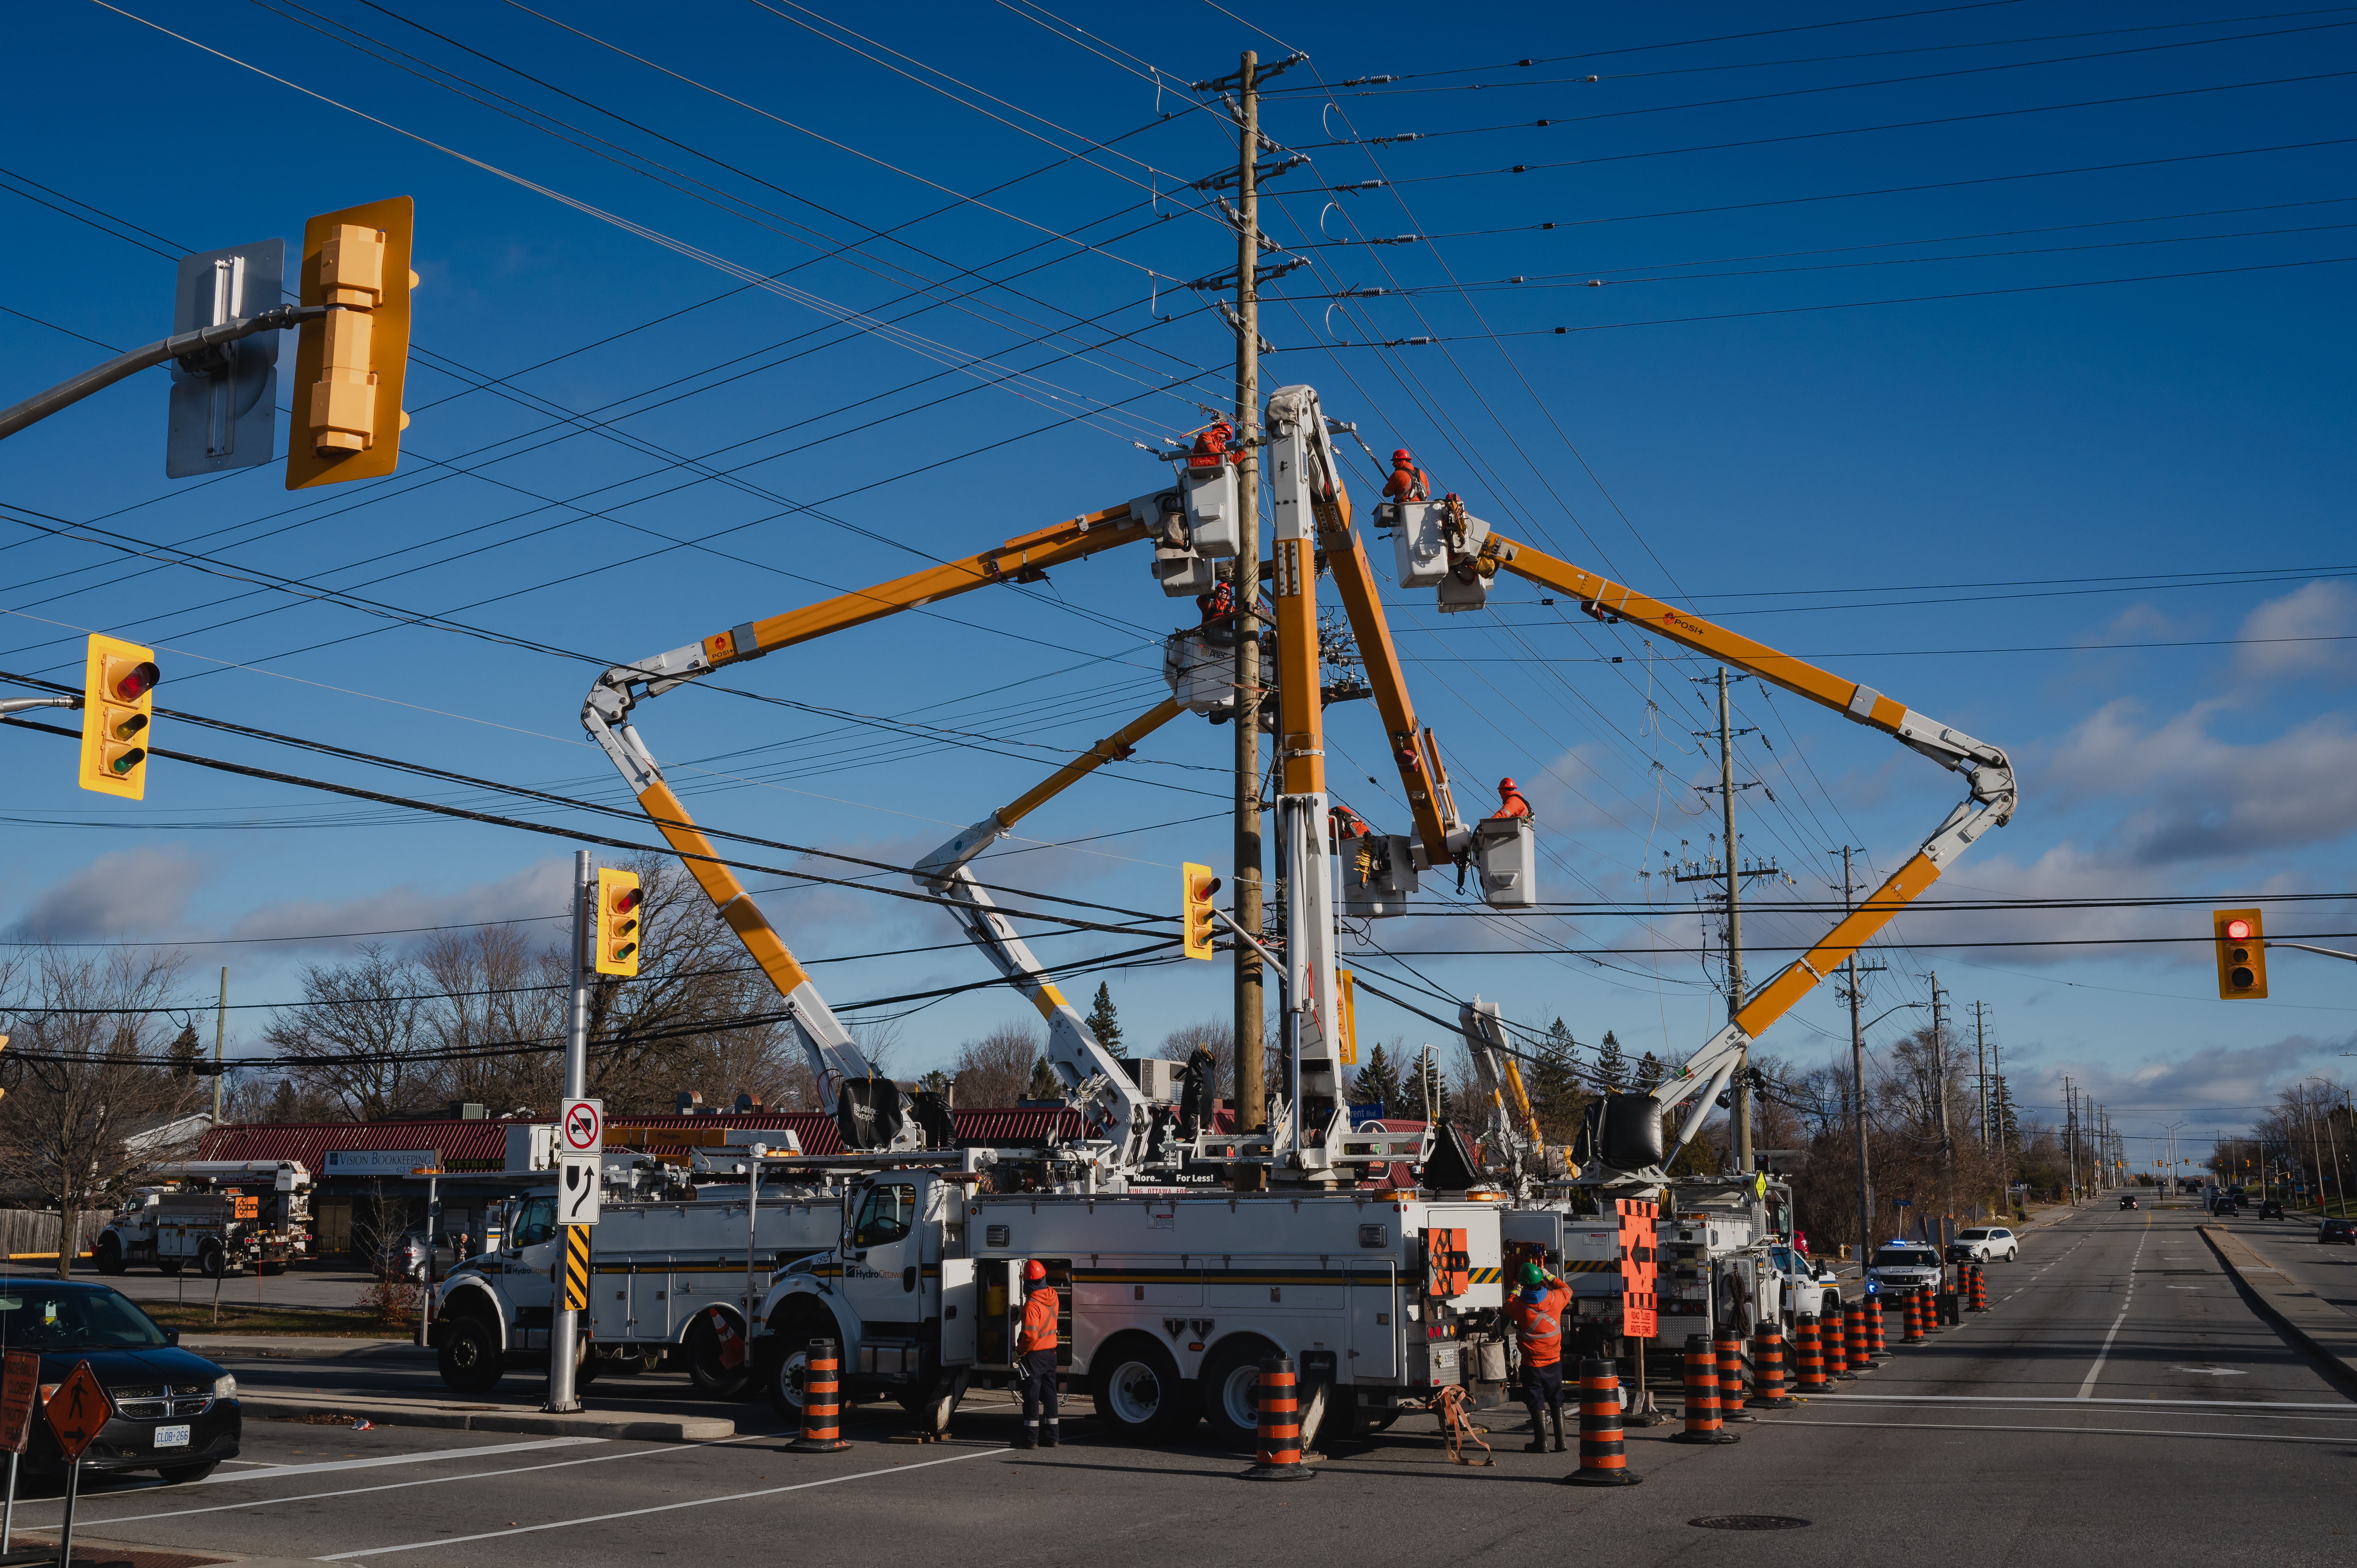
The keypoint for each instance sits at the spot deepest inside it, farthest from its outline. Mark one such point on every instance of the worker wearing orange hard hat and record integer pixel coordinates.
(1408, 482)
(1035, 1355)
(1510, 801)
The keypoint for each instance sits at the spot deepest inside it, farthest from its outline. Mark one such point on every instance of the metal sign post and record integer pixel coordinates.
(564, 1326)
(76, 1412)
(20, 1390)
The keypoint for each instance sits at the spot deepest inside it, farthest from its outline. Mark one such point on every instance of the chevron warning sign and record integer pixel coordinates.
(577, 1267)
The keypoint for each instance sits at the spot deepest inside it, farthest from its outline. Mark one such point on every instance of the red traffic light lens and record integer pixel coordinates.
(137, 682)
(2238, 930)
(626, 900)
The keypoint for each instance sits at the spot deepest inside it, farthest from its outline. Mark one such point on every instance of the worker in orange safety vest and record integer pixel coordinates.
(1211, 446)
(1408, 482)
(1035, 1355)
(1536, 1312)
(1510, 801)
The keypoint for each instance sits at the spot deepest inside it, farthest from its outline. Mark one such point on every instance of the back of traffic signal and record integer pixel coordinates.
(354, 281)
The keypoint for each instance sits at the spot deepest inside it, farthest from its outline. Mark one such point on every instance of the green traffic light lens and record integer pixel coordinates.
(128, 760)
(2242, 978)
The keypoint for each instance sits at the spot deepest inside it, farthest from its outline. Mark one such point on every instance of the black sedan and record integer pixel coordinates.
(2341, 1231)
(174, 1412)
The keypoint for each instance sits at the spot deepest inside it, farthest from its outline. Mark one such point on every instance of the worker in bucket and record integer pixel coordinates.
(1035, 1349)
(1536, 1312)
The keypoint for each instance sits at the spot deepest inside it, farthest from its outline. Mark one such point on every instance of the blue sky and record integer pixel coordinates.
(1996, 355)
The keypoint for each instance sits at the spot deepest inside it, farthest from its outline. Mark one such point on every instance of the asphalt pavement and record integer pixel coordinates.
(2122, 1401)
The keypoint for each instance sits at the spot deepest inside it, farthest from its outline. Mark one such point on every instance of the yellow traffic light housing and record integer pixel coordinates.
(2242, 953)
(1198, 884)
(118, 705)
(620, 924)
(350, 365)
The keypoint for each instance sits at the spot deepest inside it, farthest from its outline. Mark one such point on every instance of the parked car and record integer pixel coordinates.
(409, 1257)
(2271, 1210)
(174, 1412)
(1983, 1244)
(2344, 1231)
(1903, 1265)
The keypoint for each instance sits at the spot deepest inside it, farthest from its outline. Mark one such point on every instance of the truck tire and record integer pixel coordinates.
(783, 1385)
(1139, 1395)
(211, 1262)
(110, 1254)
(702, 1346)
(1229, 1390)
(167, 1266)
(469, 1358)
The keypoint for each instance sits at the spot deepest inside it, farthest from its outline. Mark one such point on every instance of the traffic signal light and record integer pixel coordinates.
(618, 926)
(350, 364)
(2242, 954)
(1198, 884)
(118, 703)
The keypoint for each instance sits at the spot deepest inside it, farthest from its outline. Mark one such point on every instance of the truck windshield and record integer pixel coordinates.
(51, 1317)
(1904, 1258)
(886, 1215)
(536, 1224)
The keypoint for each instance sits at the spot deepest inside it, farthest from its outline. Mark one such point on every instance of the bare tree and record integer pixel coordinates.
(996, 1069)
(1217, 1035)
(94, 1094)
(357, 1032)
(493, 996)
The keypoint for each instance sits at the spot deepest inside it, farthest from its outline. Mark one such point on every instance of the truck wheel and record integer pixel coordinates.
(110, 1256)
(469, 1358)
(211, 1262)
(703, 1364)
(1230, 1391)
(168, 1266)
(1137, 1390)
(784, 1387)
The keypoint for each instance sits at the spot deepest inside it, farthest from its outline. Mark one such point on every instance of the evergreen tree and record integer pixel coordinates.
(1044, 1084)
(186, 1053)
(936, 1081)
(1378, 1084)
(1649, 1073)
(1104, 1022)
(282, 1101)
(1612, 1065)
(1555, 1096)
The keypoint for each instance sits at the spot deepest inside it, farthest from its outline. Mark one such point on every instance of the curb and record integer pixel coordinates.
(2323, 1329)
(462, 1418)
(305, 1350)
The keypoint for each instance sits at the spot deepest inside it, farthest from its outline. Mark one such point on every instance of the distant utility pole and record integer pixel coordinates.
(1857, 1075)
(1733, 873)
(1252, 1079)
(221, 1028)
(1980, 1053)
(1940, 1072)
(2070, 1136)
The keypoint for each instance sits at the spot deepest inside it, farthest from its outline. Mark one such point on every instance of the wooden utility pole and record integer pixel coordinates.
(220, 1029)
(1858, 1086)
(1252, 1079)
(1739, 1103)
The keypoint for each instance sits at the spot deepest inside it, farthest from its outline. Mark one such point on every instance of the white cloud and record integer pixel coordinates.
(540, 889)
(125, 892)
(2315, 612)
(2185, 794)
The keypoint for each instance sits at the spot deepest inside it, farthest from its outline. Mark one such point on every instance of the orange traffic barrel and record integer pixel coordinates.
(1767, 1369)
(1279, 1458)
(822, 1402)
(1731, 1377)
(1808, 1355)
(1702, 1394)
(1603, 1453)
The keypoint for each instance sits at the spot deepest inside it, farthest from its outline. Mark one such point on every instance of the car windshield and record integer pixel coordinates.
(1904, 1258)
(39, 1315)
(1972, 1235)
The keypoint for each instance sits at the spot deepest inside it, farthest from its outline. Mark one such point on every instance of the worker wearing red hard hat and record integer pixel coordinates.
(1035, 1353)
(1408, 482)
(1510, 801)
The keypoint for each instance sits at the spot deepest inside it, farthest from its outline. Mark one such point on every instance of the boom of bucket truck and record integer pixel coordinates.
(1441, 545)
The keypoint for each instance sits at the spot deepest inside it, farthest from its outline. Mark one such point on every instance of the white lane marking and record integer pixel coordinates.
(2100, 1398)
(2085, 1431)
(691, 1503)
(2211, 1371)
(434, 1480)
(2126, 1301)
(426, 1458)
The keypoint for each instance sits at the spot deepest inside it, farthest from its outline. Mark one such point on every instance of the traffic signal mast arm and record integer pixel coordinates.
(835, 1058)
(189, 347)
(1987, 769)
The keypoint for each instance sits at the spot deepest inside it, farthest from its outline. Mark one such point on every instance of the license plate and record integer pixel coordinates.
(171, 1437)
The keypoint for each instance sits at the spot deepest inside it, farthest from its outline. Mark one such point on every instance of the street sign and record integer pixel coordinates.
(576, 1269)
(20, 1390)
(581, 1126)
(576, 1188)
(78, 1410)
(224, 413)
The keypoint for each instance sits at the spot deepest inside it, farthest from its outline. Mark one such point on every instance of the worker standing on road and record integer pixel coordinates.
(1537, 1316)
(1035, 1349)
